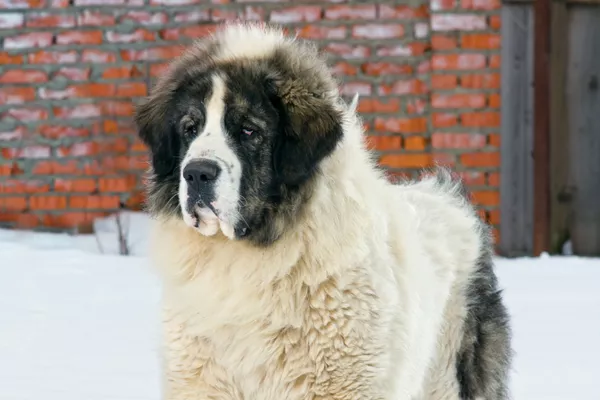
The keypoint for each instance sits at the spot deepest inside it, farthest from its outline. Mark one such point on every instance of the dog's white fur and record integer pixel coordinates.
(362, 300)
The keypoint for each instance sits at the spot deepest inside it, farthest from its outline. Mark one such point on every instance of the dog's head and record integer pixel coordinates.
(237, 129)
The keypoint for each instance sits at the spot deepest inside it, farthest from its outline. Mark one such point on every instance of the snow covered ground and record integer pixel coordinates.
(77, 324)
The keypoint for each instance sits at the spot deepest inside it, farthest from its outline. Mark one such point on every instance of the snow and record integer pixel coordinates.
(80, 323)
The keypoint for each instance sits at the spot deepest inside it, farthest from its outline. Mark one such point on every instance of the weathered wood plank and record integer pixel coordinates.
(559, 129)
(583, 97)
(516, 176)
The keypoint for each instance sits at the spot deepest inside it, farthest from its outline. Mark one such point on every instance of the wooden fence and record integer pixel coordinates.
(574, 107)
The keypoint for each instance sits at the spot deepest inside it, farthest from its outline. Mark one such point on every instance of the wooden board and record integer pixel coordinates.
(516, 175)
(583, 98)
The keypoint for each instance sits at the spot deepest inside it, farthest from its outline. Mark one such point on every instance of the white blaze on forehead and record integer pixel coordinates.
(212, 144)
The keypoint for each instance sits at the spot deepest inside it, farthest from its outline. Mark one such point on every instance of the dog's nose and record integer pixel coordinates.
(200, 173)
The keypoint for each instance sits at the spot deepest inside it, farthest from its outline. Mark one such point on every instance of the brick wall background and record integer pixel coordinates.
(71, 70)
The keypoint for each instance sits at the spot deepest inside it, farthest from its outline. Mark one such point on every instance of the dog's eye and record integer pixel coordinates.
(247, 132)
(190, 130)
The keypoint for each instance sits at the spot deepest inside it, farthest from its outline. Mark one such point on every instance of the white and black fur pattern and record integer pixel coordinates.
(298, 271)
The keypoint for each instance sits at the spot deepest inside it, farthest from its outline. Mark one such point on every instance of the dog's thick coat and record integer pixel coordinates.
(325, 281)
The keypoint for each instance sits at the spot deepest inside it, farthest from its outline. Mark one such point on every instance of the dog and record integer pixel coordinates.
(291, 267)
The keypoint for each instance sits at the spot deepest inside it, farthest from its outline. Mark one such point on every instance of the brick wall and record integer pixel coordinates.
(71, 70)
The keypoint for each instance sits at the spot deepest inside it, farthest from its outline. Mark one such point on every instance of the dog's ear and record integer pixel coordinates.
(310, 130)
(156, 131)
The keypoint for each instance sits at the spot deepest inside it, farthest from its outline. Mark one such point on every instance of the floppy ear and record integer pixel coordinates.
(310, 130)
(156, 131)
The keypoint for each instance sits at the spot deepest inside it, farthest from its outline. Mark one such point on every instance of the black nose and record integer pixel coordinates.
(200, 173)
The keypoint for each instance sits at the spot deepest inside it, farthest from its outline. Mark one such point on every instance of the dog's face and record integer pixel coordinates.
(236, 144)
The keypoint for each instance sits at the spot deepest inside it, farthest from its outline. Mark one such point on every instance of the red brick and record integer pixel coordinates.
(80, 90)
(378, 31)
(495, 22)
(122, 72)
(139, 35)
(495, 61)
(383, 143)
(79, 37)
(115, 127)
(11, 20)
(444, 120)
(74, 74)
(80, 111)
(403, 12)
(108, 2)
(47, 202)
(416, 106)
(60, 132)
(53, 57)
(23, 76)
(17, 204)
(443, 81)
(480, 41)
(16, 95)
(98, 56)
(296, 14)
(457, 22)
(28, 114)
(16, 134)
(347, 12)
(351, 88)
(121, 185)
(194, 32)
(480, 159)
(158, 69)
(472, 178)
(457, 141)
(480, 4)
(321, 32)
(117, 108)
(348, 51)
(95, 18)
(344, 68)
(481, 81)
(55, 168)
(473, 100)
(486, 198)
(443, 42)
(385, 68)
(463, 61)
(494, 140)
(494, 179)
(413, 86)
(198, 15)
(375, 105)
(26, 40)
(26, 152)
(84, 185)
(94, 202)
(156, 53)
(19, 186)
(8, 4)
(174, 2)
(442, 5)
(401, 125)
(6, 58)
(415, 143)
(395, 51)
(481, 119)
(494, 216)
(406, 160)
(247, 13)
(48, 20)
(145, 17)
(494, 100)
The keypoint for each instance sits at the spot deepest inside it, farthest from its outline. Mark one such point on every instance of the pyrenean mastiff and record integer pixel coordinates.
(292, 268)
